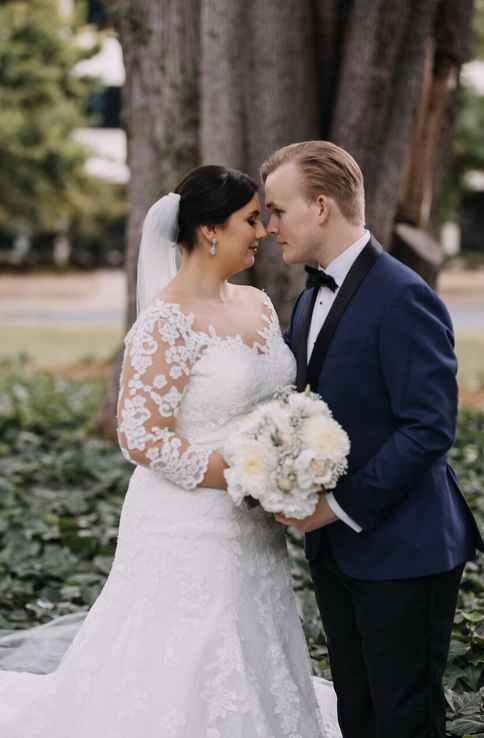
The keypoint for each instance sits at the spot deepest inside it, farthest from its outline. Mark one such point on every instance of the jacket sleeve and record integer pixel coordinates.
(158, 359)
(419, 369)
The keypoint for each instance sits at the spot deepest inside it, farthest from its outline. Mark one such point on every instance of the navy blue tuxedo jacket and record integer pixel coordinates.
(385, 364)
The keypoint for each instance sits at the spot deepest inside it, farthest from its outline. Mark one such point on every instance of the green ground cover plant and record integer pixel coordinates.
(61, 490)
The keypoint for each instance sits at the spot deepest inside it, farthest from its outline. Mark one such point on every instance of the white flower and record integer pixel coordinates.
(234, 487)
(309, 404)
(302, 466)
(255, 461)
(277, 418)
(285, 484)
(326, 437)
(284, 451)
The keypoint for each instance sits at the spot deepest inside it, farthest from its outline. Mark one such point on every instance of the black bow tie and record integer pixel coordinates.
(318, 278)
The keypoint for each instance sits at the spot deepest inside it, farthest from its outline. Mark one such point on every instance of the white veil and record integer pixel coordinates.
(40, 649)
(157, 259)
(158, 252)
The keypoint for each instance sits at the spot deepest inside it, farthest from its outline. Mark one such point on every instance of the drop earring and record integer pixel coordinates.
(213, 247)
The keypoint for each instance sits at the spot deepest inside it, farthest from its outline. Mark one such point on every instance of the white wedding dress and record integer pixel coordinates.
(196, 632)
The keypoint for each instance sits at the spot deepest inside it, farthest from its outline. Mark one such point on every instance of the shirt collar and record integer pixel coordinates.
(339, 267)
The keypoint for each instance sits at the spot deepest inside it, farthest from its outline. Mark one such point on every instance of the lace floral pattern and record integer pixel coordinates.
(196, 633)
(160, 352)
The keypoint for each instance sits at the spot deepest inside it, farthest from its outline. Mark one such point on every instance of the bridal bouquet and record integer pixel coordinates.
(284, 451)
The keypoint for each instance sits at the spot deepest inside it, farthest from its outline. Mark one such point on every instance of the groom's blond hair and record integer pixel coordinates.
(326, 169)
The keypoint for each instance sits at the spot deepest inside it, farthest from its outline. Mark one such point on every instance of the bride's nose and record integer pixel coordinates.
(260, 231)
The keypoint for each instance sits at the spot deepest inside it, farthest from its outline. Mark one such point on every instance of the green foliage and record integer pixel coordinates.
(468, 148)
(465, 673)
(60, 495)
(42, 180)
(468, 144)
(61, 491)
(477, 41)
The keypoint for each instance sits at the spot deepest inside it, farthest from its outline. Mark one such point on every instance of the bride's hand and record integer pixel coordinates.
(214, 477)
(323, 515)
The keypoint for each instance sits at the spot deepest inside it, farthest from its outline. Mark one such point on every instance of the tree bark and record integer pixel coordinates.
(441, 71)
(223, 130)
(282, 107)
(161, 50)
(377, 96)
(375, 76)
(428, 154)
(259, 75)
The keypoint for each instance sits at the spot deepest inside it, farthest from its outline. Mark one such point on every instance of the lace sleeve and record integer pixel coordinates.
(159, 354)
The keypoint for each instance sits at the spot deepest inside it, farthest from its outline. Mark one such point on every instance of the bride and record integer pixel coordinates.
(196, 632)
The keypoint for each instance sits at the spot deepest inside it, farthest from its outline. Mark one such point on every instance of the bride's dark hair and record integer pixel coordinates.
(208, 196)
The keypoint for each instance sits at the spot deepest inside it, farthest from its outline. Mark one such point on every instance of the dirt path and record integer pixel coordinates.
(99, 297)
(85, 297)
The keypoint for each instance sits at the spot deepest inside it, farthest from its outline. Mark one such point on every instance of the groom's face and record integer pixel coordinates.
(293, 221)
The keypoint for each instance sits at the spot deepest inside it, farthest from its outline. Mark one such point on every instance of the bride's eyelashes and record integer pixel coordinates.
(255, 221)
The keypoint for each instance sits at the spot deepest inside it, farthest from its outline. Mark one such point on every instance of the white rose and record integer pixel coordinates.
(234, 488)
(302, 466)
(309, 405)
(322, 471)
(285, 484)
(255, 462)
(325, 437)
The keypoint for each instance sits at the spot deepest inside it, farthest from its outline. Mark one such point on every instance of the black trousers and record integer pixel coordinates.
(388, 644)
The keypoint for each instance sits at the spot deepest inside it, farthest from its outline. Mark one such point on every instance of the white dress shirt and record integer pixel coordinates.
(338, 269)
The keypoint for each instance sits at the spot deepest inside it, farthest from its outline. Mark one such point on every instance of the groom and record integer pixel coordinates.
(388, 546)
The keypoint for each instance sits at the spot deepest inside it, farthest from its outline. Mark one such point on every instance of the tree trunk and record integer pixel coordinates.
(375, 76)
(377, 95)
(161, 49)
(259, 75)
(429, 152)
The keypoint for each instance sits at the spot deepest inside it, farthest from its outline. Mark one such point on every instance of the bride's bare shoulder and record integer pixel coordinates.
(247, 293)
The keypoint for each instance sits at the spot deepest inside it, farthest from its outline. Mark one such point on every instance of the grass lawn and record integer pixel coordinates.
(61, 344)
(470, 353)
(65, 344)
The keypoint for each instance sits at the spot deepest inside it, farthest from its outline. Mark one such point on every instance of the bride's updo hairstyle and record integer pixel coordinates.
(208, 196)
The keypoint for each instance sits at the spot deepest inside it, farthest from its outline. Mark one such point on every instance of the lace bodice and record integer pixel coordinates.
(182, 387)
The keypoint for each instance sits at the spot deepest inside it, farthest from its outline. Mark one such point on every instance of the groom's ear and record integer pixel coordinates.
(323, 203)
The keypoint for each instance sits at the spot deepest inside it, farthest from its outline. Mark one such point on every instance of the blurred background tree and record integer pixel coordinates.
(42, 104)
(45, 191)
(210, 81)
(211, 84)
(463, 192)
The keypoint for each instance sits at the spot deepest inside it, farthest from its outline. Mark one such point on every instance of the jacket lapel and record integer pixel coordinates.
(302, 341)
(354, 278)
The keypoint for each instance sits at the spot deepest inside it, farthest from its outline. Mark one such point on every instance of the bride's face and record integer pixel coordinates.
(238, 239)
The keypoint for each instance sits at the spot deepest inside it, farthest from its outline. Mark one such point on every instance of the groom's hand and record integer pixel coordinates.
(323, 515)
